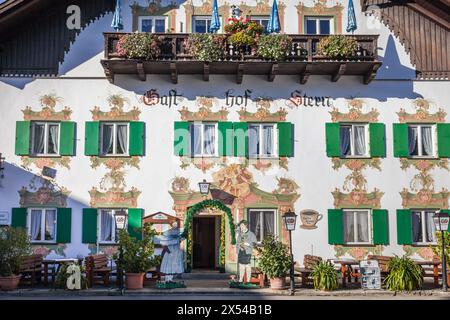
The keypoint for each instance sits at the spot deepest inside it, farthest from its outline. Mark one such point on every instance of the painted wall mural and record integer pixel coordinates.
(47, 112)
(111, 191)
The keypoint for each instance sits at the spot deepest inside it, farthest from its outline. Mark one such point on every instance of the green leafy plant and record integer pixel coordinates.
(274, 46)
(138, 255)
(274, 258)
(325, 277)
(404, 275)
(337, 46)
(437, 249)
(206, 47)
(62, 276)
(14, 245)
(140, 46)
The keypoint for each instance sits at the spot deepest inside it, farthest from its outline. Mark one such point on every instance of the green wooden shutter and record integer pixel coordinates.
(240, 139)
(181, 138)
(285, 139)
(225, 138)
(23, 139)
(401, 140)
(404, 227)
(135, 222)
(89, 232)
(64, 225)
(333, 140)
(92, 138)
(137, 138)
(443, 132)
(380, 226)
(377, 132)
(446, 212)
(335, 226)
(19, 217)
(67, 138)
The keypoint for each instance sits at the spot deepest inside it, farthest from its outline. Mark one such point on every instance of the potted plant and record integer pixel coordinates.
(437, 250)
(337, 47)
(243, 34)
(274, 261)
(274, 46)
(404, 275)
(138, 256)
(14, 245)
(206, 47)
(324, 276)
(140, 46)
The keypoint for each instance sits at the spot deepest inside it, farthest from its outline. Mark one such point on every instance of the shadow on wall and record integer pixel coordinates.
(15, 178)
(392, 67)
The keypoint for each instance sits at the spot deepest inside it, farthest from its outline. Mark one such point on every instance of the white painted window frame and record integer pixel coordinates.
(153, 18)
(114, 154)
(419, 140)
(261, 140)
(423, 226)
(196, 18)
(43, 215)
(46, 136)
(113, 225)
(261, 217)
(317, 19)
(352, 140)
(202, 141)
(355, 230)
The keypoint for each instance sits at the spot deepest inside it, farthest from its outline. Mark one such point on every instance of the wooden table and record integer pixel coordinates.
(58, 263)
(435, 264)
(346, 269)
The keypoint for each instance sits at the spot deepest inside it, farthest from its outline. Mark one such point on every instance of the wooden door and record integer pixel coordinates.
(204, 242)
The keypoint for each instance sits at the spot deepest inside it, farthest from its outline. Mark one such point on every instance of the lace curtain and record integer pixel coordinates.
(122, 139)
(268, 140)
(345, 141)
(412, 140)
(210, 139)
(253, 141)
(35, 227)
(50, 217)
(196, 139)
(360, 140)
(107, 139)
(53, 140)
(427, 141)
(106, 225)
(38, 138)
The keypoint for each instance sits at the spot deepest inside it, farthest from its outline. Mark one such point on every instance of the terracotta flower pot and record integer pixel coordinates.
(9, 283)
(134, 281)
(278, 283)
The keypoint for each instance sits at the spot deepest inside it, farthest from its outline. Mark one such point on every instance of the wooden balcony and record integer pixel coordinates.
(302, 61)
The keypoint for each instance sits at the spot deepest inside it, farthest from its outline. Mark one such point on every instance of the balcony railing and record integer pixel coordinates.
(302, 59)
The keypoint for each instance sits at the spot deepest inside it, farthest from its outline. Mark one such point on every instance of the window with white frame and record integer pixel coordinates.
(204, 142)
(319, 25)
(42, 224)
(262, 222)
(107, 225)
(114, 139)
(201, 24)
(152, 24)
(262, 140)
(262, 20)
(354, 140)
(357, 226)
(45, 138)
(423, 228)
(421, 140)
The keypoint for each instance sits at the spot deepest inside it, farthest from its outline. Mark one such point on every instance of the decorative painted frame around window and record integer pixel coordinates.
(320, 9)
(155, 9)
(204, 10)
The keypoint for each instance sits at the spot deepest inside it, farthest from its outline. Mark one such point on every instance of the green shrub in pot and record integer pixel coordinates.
(274, 258)
(325, 277)
(274, 46)
(404, 275)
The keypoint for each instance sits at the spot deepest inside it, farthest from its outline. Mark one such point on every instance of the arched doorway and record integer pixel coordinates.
(188, 229)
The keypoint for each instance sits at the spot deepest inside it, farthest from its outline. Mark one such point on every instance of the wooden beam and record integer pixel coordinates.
(173, 73)
(240, 73)
(141, 72)
(273, 72)
(108, 72)
(339, 72)
(206, 71)
(371, 73)
(304, 75)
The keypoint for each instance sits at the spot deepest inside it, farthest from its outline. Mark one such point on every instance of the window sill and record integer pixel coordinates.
(424, 244)
(43, 242)
(355, 157)
(423, 158)
(45, 156)
(114, 156)
(358, 245)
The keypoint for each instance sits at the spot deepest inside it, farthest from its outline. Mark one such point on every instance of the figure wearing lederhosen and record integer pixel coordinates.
(245, 242)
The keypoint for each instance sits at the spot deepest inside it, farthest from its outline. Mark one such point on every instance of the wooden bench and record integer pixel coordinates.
(31, 268)
(383, 263)
(309, 262)
(97, 269)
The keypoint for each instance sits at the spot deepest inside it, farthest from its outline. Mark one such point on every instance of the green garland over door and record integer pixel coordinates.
(187, 231)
